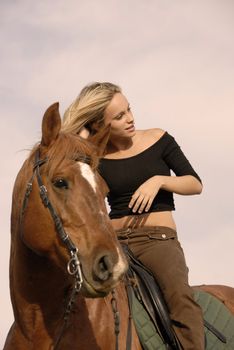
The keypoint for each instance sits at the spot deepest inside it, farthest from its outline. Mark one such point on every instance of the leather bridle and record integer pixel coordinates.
(73, 265)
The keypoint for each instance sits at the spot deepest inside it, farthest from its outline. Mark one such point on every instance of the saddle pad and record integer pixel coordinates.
(215, 312)
(149, 337)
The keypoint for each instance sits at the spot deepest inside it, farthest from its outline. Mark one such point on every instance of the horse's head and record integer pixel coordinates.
(65, 169)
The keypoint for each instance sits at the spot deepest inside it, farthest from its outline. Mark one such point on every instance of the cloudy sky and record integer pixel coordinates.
(174, 61)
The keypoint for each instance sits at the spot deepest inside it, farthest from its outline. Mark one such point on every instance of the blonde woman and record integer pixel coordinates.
(137, 168)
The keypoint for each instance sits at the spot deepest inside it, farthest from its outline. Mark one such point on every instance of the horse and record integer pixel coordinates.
(66, 264)
(64, 254)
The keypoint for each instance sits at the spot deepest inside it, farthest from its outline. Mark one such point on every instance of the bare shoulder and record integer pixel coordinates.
(154, 134)
(148, 137)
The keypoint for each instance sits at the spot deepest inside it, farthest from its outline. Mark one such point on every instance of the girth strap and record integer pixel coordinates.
(215, 331)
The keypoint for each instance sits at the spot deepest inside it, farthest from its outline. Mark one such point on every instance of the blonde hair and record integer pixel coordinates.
(89, 107)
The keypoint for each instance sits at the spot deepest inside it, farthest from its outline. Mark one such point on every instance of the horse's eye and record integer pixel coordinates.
(60, 183)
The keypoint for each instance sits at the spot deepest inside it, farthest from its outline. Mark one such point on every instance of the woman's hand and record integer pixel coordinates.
(84, 133)
(143, 197)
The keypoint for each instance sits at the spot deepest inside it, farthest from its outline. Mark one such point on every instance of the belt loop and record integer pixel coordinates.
(129, 231)
(134, 221)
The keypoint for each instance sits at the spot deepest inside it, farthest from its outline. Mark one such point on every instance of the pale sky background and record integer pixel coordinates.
(174, 61)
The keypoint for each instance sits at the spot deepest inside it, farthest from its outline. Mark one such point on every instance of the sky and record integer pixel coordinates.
(174, 62)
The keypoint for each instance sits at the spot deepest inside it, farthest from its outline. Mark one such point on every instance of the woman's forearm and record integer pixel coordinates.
(184, 185)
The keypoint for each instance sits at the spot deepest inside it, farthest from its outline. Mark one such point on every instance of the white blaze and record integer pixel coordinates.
(88, 174)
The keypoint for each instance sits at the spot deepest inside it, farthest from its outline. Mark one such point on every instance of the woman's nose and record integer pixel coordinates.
(129, 117)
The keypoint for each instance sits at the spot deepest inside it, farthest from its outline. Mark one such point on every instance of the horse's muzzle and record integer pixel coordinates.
(103, 267)
(107, 270)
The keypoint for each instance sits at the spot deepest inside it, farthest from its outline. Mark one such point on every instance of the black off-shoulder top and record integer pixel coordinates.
(123, 176)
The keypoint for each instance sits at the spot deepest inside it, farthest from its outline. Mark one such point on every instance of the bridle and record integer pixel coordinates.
(73, 265)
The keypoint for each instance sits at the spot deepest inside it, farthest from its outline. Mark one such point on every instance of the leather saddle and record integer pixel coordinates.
(149, 294)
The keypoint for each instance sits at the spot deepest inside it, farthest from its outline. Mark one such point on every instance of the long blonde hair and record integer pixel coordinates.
(89, 107)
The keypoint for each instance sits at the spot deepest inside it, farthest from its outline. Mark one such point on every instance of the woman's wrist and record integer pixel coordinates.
(162, 181)
(184, 185)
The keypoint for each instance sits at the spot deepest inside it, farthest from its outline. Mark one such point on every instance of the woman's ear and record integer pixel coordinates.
(100, 139)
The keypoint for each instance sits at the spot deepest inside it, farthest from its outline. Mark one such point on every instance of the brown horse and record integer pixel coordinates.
(65, 258)
(61, 223)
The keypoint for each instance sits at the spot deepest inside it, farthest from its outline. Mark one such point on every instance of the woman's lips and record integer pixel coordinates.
(131, 128)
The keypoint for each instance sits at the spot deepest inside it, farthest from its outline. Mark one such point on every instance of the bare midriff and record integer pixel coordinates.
(163, 218)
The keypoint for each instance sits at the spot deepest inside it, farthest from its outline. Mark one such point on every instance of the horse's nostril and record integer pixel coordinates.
(103, 268)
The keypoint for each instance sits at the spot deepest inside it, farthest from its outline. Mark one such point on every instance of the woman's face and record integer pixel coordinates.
(119, 115)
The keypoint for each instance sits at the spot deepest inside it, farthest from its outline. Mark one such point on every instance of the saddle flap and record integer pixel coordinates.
(150, 295)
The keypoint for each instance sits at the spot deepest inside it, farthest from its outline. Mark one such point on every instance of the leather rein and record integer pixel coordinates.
(73, 265)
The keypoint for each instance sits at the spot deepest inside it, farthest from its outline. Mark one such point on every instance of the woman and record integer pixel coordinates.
(136, 167)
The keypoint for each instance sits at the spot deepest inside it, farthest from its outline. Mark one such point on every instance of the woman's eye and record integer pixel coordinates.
(60, 183)
(118, 117)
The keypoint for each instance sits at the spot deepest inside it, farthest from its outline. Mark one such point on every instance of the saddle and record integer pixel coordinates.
(141, 285)
(148, 293)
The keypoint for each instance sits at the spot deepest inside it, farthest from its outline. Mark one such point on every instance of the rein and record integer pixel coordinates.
(116, 318)
(73, 265)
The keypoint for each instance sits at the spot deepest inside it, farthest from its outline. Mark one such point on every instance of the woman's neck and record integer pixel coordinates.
(119, 145)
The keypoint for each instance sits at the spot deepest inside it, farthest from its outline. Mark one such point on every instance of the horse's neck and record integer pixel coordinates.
(23, 177)
(38, 289)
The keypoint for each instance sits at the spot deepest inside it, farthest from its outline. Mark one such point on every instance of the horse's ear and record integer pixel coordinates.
(51, 124)
(100, 139)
